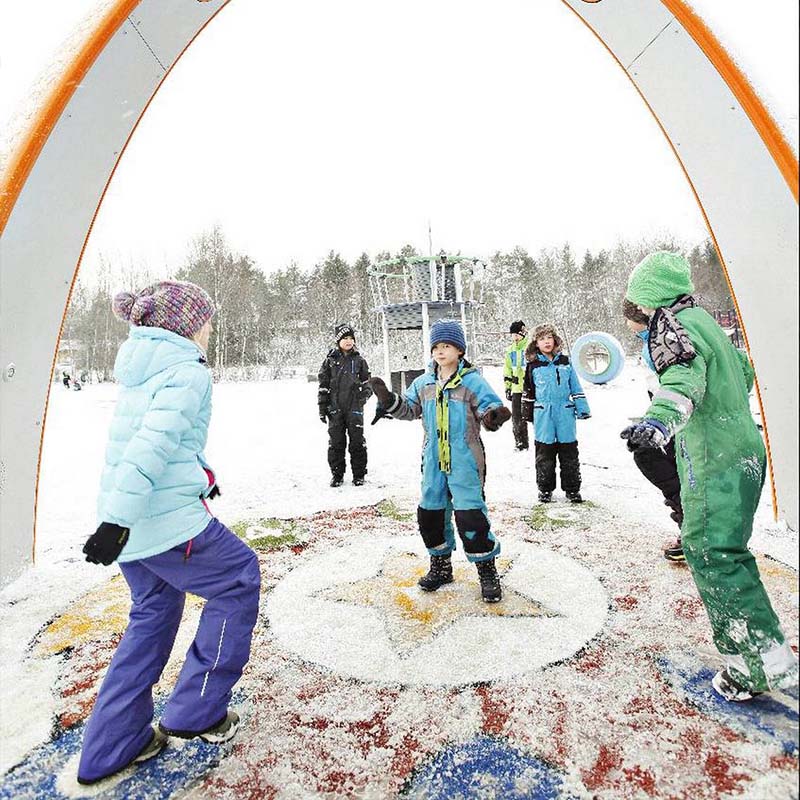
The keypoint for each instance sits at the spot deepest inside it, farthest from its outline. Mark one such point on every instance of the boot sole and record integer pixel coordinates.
(219, 738)
(434, 588)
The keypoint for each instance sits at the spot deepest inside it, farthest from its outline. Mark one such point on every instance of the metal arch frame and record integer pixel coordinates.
(60, 163)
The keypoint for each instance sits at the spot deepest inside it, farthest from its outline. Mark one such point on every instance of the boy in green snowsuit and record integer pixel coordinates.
(703, 402)
(513, 376)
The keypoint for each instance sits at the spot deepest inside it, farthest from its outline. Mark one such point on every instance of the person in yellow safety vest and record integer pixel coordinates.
(513, 375)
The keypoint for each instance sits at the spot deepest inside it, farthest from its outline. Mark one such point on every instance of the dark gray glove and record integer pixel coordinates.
(106, 543)
(495, 417)
(647, 433)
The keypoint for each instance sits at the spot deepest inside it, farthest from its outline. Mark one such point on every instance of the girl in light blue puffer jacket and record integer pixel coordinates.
(155, 522)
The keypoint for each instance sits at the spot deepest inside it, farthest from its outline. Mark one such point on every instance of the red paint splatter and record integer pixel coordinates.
(626, 603)
(592, 661)
(608, 760)
(405, 757)
(642, 778)
(370, 733)
(338, 783)
(718, 769)
(495, 710)
(688, 608)
(783, 762)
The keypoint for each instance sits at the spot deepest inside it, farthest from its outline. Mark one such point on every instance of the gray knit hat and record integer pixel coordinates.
(177, 306)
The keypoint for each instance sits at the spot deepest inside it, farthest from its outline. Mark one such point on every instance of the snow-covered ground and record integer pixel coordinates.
(268, 448)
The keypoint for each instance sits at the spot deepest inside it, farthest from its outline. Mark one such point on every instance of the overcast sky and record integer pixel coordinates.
(307, 126)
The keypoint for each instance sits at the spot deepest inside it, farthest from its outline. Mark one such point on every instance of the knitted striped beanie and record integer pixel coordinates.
(659, 279)
(176, 306)
(448, 331)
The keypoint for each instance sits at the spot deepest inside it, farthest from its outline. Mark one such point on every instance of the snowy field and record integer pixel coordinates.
(610, 615)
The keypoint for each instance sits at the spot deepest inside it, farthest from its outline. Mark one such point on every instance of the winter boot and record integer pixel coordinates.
(731, 689)
(440, 573)
(490, 581)
(220, 732)
(358, 481)
(336, 480)
(545, 497)
(150, 750)
(675, 553)
(574, 497)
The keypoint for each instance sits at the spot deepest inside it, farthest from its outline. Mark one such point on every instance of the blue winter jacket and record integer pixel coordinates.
(467, 404)
(554, 391)
(154, 466)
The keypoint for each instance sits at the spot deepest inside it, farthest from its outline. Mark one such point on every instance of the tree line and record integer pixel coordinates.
(268, 325)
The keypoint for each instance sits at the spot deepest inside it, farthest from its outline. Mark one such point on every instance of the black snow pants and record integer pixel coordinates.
(518, 422)
(344, 425)
(567, 453)
(659, 467)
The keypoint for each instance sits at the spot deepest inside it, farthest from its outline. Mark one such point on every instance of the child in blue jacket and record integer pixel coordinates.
(155, 522)
(554, 399)
(453, 401)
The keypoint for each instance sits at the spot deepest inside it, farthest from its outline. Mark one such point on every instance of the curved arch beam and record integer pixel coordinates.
(49, 196)
(744, 176)
(56, 180)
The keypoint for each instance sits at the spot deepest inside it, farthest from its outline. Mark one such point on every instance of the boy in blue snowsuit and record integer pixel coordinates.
(554, 399)
(155, 522)
(453, 401)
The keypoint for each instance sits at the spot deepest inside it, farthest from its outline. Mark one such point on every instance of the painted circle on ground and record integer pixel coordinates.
(357, 610)
(597, 357)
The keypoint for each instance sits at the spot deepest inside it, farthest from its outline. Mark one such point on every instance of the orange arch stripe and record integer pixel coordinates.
(770, 125)
(25, 155)
(762, 120)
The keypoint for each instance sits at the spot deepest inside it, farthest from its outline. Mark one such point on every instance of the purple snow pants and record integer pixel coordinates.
(219, 568)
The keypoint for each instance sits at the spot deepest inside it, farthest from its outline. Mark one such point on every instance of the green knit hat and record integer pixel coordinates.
(659, 279)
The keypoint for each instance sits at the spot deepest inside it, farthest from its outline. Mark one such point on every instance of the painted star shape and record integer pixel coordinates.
(412, 617)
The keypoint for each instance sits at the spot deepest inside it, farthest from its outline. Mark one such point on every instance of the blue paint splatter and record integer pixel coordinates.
(485, 767)
(765, 715)
(179, 765)
(174, 769)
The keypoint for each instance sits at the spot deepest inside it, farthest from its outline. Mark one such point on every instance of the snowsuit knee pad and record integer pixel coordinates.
(431, 526)
(475, 532)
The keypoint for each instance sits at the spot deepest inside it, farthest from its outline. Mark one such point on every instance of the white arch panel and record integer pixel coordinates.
(751, 213)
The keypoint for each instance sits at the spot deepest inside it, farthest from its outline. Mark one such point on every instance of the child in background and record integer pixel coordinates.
(155, 522)
(513, 377)
(702, 402)
(554, 398)
(343, 390)
(453, 400)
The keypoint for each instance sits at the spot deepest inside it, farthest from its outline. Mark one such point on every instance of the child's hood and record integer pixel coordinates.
(148, 351)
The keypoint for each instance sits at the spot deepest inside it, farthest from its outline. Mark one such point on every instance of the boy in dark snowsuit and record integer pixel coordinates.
(554, 400)
(656, 464)
(343, 390)
(453, 401)
(155, 522)
(513, 378)
(702, 402)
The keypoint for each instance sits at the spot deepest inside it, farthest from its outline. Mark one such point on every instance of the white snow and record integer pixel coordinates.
(269, 451)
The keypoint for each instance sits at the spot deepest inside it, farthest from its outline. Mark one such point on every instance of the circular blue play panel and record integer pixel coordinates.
(597, 357)
(485, 767)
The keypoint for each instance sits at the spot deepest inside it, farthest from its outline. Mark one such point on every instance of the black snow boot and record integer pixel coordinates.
(675, 553)
(337, 480)
(545, 497)
(490, 581)
(440, 573)
(574, 497)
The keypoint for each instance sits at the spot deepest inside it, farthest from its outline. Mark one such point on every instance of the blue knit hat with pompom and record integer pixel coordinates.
(448, 331)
